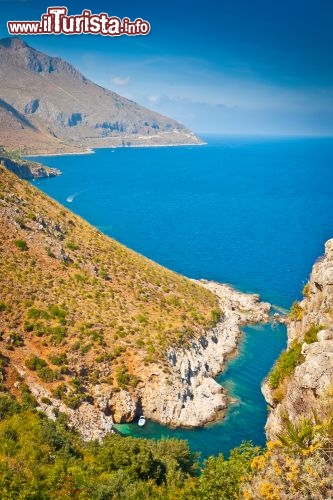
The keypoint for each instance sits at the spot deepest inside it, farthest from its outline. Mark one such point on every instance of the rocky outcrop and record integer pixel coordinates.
(304, 390)
(186, 394)
(92, 421)
(123, 406)
(28, 169)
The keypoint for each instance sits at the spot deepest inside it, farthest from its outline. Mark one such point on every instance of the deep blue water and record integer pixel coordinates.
(251, 212)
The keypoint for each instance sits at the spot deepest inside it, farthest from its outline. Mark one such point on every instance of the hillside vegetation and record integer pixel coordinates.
(41, 459)
(79, 309)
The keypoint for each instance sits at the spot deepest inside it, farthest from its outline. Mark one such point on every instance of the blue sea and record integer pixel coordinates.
(252, 212)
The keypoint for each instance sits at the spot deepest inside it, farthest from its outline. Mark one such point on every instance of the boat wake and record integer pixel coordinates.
(71, 197)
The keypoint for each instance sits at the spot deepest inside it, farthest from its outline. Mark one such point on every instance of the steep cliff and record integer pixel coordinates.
(297, 462)
(189, 396)
(303, 376)
(26, 169)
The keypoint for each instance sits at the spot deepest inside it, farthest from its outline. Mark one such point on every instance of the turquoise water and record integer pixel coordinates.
(245, 419)
(251, 212)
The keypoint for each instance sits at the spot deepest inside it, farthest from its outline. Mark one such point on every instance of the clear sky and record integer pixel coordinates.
(218, 66)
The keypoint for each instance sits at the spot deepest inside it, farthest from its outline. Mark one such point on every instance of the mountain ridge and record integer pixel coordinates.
(48, 106)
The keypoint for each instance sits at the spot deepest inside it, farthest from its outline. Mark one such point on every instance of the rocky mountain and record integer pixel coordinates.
(46, 105)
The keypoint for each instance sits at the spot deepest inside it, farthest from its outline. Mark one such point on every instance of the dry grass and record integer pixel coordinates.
(68, 289)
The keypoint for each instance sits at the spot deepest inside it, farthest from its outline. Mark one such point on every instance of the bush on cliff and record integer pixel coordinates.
(221, 479)
(311, 335)
(296, 312)
(286, 364)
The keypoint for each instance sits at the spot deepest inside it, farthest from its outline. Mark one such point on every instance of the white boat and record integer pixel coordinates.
(142, 421)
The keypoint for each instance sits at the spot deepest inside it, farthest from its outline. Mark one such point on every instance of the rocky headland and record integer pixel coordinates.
(191, 397)
(100, 333)
(183, 395)
(27, 169)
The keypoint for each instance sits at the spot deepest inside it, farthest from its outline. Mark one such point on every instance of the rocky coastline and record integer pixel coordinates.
(183, 395)
(190, 396)
(28, 169)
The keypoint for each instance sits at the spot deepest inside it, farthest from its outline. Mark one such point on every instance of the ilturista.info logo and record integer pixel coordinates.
(56, 21)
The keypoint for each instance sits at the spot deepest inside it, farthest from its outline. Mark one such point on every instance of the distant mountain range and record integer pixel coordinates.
(46, 105)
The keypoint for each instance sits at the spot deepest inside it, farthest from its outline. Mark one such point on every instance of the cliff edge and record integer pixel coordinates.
(26, 169)
(303, 376)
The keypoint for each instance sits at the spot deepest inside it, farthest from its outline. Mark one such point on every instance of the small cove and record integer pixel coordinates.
(245, 419)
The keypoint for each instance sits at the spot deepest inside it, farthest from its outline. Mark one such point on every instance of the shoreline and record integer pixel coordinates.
(91, 150)
(191, 397)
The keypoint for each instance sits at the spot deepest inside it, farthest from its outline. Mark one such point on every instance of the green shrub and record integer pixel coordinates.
(71, 245)
(40, 366)
(73, 401)
(296, 312)
(59, 360)
(8, 406)
(216, 316)
(21, 245)
(4, 362)
(47, 375)
(311, 335)
(141, 318)
(286, 364)
(58, 312)
(81, 278)
(57, 333)
(28, 399)
(59, 391)
(35, 363)
(31, 216)
(71, 398)
(35, 313)
(297, 436)
(221, 479)
(46, 400)
(28, 327)
(123, 377)
(15, 339)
